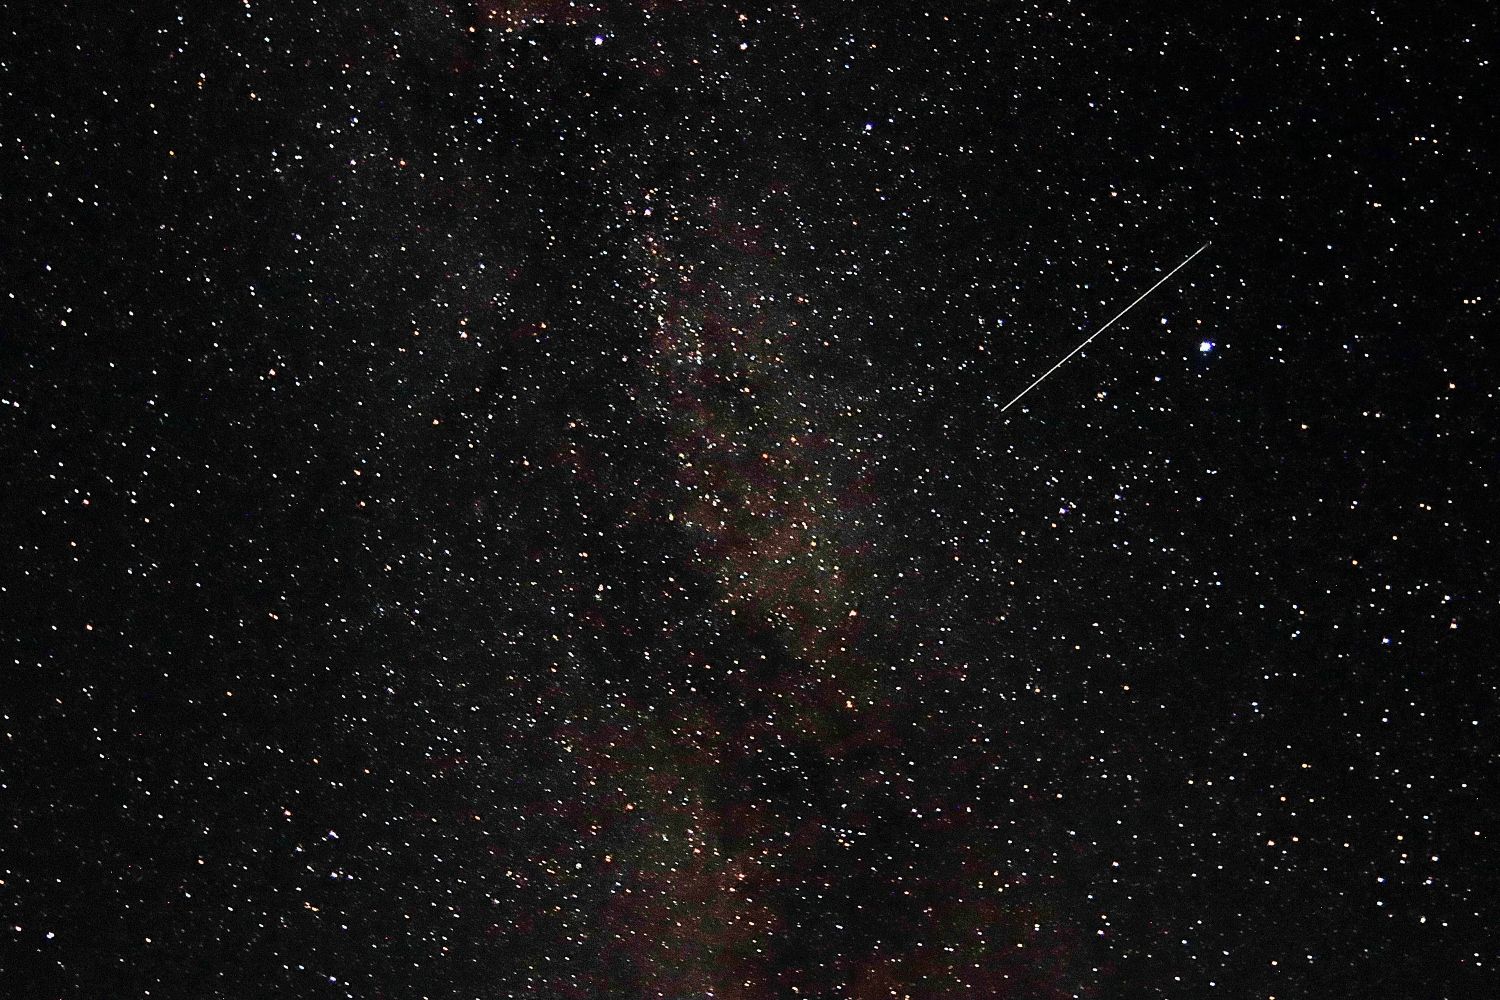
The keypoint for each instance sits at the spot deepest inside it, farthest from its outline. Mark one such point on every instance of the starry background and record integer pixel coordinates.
(511, 500)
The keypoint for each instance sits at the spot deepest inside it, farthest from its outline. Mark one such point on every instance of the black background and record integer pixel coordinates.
(1167, 682)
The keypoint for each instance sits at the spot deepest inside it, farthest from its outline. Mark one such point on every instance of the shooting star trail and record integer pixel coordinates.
(1106, 326)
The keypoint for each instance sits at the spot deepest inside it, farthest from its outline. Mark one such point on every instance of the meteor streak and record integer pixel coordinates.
(1106, 326)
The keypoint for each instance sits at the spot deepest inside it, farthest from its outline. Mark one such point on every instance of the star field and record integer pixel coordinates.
(512, 500)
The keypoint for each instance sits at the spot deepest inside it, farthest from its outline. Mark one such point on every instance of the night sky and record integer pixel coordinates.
(512, 500)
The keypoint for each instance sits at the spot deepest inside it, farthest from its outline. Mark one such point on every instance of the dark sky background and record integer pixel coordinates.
(511, 500)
